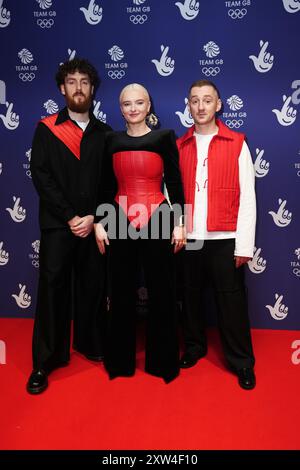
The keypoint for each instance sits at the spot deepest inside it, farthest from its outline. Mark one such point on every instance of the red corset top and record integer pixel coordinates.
(139, 175)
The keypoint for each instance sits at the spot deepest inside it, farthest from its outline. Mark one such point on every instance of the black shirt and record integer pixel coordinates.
(66, 185)
(162, 142)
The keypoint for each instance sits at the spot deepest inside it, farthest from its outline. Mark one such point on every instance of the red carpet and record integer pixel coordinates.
(203, 409)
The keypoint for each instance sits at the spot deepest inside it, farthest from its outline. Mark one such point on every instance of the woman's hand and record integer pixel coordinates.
(178, 237)
(101, 237)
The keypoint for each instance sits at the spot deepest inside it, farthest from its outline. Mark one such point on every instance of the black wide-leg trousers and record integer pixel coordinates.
(215, 263)
(162, 348)
(71, 283)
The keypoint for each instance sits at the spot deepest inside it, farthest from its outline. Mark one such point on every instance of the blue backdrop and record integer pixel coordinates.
(250, 48)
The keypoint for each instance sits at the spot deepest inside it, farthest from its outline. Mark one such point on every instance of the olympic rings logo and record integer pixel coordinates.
(116, 74)
(211, 71)
(138, 19)
(296, 271)
(35, 263)
(237, 14)
(45, 23)
(234, 123)
(27, 77)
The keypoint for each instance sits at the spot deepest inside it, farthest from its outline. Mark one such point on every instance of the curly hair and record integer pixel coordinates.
(77, 65)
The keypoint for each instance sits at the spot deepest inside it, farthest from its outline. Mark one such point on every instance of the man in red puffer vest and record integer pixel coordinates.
(218, 180)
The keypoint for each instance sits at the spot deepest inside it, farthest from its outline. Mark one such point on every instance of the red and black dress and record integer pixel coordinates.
(133, 173)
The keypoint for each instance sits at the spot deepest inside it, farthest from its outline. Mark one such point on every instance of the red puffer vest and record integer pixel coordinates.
(223, 196)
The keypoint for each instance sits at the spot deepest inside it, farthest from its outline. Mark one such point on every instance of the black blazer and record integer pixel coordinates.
(66, 185)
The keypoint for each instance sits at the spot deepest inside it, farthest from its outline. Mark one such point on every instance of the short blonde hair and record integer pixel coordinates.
(134, 86)
(151, 119)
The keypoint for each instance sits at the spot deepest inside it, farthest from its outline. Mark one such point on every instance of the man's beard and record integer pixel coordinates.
(78, 107)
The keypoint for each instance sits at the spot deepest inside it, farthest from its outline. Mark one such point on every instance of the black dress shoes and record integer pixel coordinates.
(37, 383)
(189, 360)
(246, 378)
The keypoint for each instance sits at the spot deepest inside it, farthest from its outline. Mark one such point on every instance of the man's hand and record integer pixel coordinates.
(101, 237)
(240, 260)
(81, 226)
